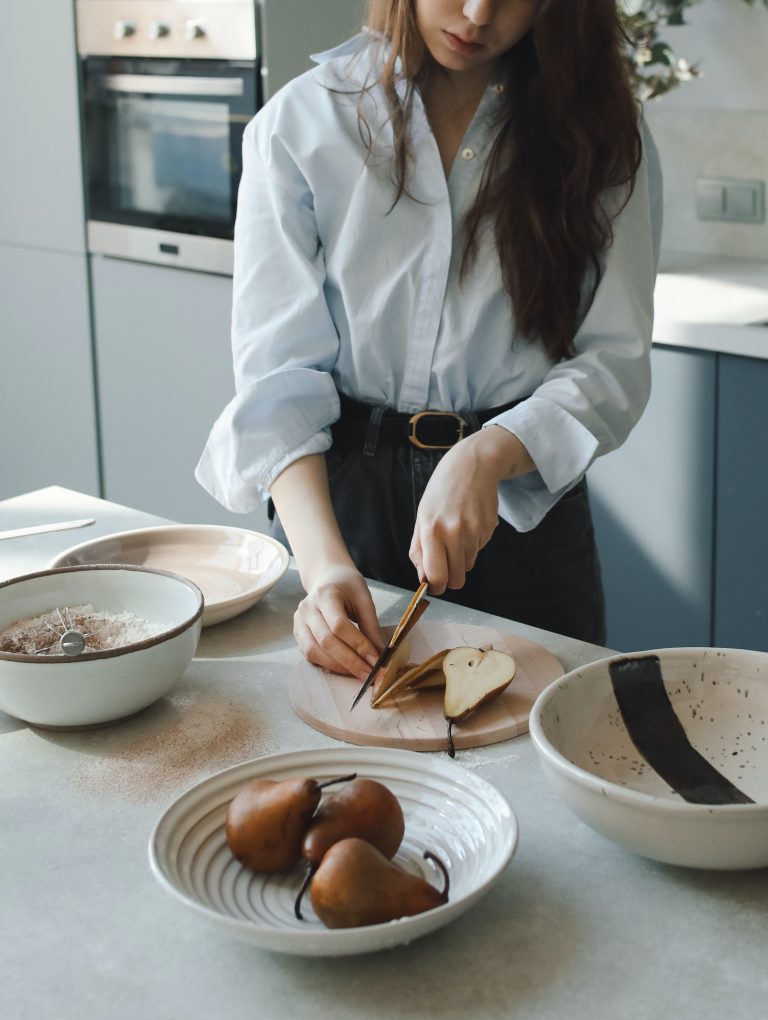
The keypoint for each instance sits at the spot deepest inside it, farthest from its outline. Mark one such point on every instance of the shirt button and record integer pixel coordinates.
(498, 88)
(467, 153)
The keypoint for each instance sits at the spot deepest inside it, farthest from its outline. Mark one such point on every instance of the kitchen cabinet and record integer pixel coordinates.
(164, 370)
(653, 509)
(679, 510)
(41, 200)
(292, 29)
(741, 560)
(47, 408)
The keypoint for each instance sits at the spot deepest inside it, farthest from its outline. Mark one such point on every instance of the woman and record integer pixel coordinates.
(455, 212)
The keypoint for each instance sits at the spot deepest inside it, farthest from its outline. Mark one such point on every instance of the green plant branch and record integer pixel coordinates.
(654, 67)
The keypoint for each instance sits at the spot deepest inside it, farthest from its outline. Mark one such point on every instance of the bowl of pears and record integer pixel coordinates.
(334, 851)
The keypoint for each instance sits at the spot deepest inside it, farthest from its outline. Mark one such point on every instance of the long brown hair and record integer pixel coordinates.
(568, 131)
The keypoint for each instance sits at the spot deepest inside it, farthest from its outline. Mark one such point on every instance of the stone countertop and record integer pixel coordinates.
(712, 303)
(576, 928)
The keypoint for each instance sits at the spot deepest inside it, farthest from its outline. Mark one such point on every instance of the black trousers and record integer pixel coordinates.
(548, 577)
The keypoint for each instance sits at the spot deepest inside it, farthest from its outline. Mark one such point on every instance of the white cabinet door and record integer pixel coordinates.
(47, 413)
(164, 374)
(41, 199)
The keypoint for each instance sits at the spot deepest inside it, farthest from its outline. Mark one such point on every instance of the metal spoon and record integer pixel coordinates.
(72, 642)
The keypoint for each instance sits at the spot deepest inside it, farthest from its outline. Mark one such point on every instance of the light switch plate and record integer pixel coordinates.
(730, 198)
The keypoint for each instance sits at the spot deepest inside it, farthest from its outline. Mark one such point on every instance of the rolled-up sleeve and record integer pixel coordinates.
(284, 341)
(587, 405)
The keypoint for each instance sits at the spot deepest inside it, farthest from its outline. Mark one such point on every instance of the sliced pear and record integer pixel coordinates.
(386, 677)
(473, 677)
(435, 678)
(399, 660)
(411, 677)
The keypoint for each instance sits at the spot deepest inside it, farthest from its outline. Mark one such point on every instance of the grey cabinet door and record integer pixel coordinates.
(41, 199)
(741, 563)
(653, 508)
(47, 412)
(292, 29)
(164, 374)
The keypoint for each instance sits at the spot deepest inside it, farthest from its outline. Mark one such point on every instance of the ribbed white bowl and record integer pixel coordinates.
(453, 813)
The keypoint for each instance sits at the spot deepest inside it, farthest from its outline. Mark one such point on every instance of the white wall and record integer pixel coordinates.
(716, 125)
(729, 39)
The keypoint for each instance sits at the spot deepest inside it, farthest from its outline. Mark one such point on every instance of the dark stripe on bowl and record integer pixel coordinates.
(659, 736)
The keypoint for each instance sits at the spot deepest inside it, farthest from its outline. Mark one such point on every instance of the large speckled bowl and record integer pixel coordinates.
(646, 764)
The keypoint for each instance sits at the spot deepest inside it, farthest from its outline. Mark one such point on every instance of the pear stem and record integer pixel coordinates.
(311, 869)
(451, 748)
(341, 779)
(429, 856)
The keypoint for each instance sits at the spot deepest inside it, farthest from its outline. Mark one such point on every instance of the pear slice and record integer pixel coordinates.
(434, 678)
(399, 659)
(386, 677)
(473, 677)
(411, 677)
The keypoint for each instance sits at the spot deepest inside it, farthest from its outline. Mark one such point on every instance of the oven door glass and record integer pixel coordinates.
(163, 141)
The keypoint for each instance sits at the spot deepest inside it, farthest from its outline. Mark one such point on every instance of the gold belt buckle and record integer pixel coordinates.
(416, 418)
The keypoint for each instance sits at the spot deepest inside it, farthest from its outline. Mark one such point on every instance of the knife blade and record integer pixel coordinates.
(398, 634)
(39, 529)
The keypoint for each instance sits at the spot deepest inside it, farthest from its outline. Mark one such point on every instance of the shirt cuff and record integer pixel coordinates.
(559, 445)
(261, 431)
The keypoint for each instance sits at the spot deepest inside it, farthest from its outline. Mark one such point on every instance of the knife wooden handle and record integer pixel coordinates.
(408, 614)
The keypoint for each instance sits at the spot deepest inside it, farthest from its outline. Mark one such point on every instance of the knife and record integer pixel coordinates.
(38, 529)
(412, 613)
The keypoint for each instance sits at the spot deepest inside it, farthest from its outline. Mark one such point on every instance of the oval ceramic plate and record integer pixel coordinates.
(452, 812)
(233, 567)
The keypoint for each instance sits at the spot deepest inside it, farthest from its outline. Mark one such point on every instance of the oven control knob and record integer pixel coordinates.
(194, 30)
(124, 29)
(158, 29)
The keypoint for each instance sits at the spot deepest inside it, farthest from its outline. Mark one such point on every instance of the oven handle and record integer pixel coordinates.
(171, 86)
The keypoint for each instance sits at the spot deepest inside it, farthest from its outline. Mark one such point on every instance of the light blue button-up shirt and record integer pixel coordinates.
(335, 290)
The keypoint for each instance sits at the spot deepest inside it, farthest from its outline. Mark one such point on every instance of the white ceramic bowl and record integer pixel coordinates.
(233, 567)
(98, 686)
(720, 698)
(453, 812)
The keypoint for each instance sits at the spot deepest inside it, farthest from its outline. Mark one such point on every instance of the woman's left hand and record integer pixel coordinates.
(459, 510)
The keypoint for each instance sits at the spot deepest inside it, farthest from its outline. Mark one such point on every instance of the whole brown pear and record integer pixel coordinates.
(357, 885)
(363, 808)
(267, 820)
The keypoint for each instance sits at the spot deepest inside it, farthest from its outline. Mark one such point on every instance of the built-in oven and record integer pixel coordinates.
(168, 87)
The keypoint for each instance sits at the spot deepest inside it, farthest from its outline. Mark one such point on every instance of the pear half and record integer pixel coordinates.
(472, 677)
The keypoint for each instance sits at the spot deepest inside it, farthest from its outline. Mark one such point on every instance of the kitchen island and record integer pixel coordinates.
(575, 929)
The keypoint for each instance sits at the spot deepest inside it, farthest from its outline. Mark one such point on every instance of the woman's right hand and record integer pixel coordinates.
(336, 626)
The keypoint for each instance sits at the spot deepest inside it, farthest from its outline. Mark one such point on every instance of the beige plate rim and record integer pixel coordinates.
(180, 529)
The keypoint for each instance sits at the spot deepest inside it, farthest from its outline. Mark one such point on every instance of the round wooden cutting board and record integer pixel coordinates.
(415, 721)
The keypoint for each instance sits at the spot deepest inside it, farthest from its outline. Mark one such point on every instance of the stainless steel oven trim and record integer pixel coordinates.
(161, 247)
(224, 29)
(174, 86)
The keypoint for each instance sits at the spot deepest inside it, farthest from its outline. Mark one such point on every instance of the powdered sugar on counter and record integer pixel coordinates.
(39, 635)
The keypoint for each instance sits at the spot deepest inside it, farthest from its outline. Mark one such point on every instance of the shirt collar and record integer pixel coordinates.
(346, 49)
